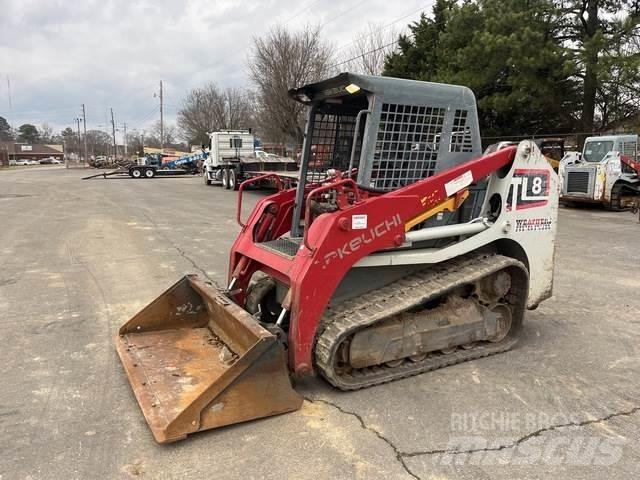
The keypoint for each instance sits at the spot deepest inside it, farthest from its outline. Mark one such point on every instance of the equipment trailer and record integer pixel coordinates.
(186, 164)
(401, 251)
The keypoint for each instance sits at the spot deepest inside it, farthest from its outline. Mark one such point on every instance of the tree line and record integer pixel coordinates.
(535, 66)
(99, 142)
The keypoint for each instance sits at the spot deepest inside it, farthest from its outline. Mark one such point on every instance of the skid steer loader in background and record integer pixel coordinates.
(607, 172)
(402, 251)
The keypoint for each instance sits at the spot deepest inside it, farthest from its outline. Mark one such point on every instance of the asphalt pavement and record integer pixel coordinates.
(78, 258)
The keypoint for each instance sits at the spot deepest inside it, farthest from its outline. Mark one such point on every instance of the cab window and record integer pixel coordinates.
(596, 150)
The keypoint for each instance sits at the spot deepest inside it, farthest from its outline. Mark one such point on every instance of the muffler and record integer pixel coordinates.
(197, 361)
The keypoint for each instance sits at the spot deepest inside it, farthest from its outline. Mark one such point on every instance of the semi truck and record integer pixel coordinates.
(233, 158)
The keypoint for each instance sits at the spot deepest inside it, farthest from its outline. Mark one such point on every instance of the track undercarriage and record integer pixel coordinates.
(464, 309)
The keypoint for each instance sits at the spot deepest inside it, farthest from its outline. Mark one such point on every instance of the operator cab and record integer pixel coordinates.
(386, 133)
(596, 148)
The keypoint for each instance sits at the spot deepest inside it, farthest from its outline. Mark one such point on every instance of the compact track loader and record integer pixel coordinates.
(607, 171)
(401, 250)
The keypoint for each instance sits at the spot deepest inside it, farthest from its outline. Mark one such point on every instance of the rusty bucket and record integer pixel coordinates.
(196, 361)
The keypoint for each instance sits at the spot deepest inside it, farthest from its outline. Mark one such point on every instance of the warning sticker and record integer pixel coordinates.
(358, 222)
(454, 186)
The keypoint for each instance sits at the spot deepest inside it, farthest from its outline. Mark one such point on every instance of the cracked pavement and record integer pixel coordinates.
(78, 258)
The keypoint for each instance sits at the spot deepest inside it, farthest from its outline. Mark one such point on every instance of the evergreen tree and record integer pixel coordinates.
(28, 133)
(539, 66)
(5, 130)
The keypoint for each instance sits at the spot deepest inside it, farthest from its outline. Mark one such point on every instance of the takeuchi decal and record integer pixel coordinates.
(368, 236)
(529, 189)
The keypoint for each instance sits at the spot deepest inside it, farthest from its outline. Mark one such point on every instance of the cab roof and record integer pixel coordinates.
(388, 88)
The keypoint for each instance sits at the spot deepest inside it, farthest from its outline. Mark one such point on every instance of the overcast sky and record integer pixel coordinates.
(113, 53)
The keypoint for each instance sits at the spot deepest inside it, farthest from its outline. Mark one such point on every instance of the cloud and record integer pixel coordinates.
(113, 53)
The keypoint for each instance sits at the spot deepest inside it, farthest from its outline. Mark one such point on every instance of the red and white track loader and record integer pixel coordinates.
(401, 250)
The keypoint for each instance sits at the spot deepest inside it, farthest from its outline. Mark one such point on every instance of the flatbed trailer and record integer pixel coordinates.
(231, 172)
(143, 171)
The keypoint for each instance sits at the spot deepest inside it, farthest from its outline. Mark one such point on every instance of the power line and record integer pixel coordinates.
(302, 11)
(342, 13)
(395, 42)
(298, 14)
(386, 26)
(137, 121)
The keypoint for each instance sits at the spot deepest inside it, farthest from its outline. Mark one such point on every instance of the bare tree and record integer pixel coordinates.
(207, 109)
(98, 142)
(46, 133)
(135, 141)
(152, 139)
(239, 110)
(279, 61)
(170, 134)
(367, 52)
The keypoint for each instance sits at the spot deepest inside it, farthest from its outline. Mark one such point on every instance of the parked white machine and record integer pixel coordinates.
(607, 172)
(233, 159)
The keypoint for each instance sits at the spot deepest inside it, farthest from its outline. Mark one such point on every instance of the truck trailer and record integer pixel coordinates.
(233, 158)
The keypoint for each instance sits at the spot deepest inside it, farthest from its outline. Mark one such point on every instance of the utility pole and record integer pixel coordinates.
(113, 128)
(10, 106)
(124, 126)
(143, 143)
(9, 93)
(84, 122)
(161, 121)
(78, 120)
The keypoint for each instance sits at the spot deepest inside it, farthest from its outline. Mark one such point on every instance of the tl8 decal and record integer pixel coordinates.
(529, 189)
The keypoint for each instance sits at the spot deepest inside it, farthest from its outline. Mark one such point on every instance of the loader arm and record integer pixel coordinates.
(313, 273)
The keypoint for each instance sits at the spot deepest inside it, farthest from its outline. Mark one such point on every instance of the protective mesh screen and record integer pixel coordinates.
(332, 139)
(407, 145)
(460, 133)
(630, 149)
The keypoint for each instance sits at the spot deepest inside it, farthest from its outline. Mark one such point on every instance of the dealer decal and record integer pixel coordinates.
(533, 224)
(529, 189)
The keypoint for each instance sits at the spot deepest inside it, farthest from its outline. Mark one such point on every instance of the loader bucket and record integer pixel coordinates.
(196, 361)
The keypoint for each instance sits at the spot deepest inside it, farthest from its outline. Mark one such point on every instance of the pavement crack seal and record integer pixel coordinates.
(400, 456)
(524, 438)
(180, 251)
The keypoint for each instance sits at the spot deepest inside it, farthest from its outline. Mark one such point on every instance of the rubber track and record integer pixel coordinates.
(344, 319)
